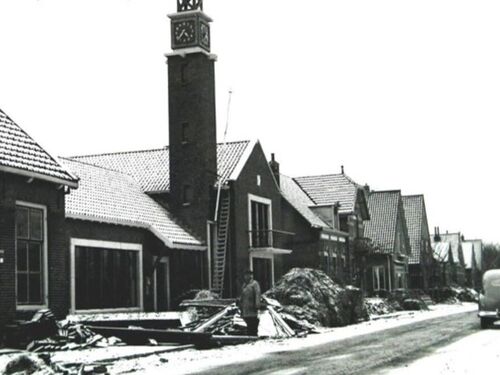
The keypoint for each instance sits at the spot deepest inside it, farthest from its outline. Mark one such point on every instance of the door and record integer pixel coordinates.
(263, 272)
(162, 285)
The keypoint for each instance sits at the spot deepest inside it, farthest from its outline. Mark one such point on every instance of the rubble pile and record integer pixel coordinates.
(309, 294)
(414, 299)
(72, 337)
(379, 306)
(454, 295)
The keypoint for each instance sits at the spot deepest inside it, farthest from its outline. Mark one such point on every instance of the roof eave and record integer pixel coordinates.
(40, 176)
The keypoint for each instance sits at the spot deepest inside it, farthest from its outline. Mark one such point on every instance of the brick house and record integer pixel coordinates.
(458, 266)
(420, 260)
(198, 213)
(473, 255)
(341, 203)
(33, 242)
(387, 263)
(316, 244)
(443, 264)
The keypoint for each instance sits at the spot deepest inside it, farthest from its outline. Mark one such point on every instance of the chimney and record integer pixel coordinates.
(275, 168)
(437, 237)
(342, 169)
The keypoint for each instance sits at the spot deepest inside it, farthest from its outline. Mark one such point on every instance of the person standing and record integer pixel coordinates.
(249, 303)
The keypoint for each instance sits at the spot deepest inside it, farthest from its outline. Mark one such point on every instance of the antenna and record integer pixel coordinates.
(219, 184)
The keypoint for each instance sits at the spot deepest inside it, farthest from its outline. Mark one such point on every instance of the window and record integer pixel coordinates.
(379, 278)
(260, 224)
(106, 275)
(30, 255)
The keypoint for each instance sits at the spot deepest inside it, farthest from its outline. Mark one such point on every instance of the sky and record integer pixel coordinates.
(404, 94)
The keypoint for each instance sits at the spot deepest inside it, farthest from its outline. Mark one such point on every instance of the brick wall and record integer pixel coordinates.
(247, 184)
(15, 188)
(186, 266)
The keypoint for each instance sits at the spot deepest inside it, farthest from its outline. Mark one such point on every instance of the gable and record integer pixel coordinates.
(20, 154)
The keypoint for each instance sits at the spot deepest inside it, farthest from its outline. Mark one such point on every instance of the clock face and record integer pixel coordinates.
(184, 32)
(204, 35)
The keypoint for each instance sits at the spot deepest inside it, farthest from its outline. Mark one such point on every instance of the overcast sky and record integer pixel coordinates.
(404, 94)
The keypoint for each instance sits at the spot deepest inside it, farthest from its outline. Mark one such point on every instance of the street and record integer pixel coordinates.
(374, 353)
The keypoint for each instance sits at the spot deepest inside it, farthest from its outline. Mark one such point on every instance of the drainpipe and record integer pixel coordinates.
(389, 272)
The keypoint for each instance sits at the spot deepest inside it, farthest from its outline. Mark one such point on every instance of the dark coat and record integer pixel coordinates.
(249, 302)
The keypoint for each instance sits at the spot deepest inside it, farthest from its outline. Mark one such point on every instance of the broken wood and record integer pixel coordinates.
(216, 303)
(280, 322)
(138, 336)
(203, 327)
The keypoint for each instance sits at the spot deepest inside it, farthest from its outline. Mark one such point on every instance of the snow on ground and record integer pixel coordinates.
(458, 358)
(190, 361)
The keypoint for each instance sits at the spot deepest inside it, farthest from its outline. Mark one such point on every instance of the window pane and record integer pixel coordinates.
(35, 288)
(22, 256)
(22, 226)
(22, 288)
(35, 257)
(36, 224)
(106, 278)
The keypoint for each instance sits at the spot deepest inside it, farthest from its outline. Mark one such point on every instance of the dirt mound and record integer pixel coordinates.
(311, 295)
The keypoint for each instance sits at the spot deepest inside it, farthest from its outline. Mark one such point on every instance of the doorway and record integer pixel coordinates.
(263, 272)
(162, 285)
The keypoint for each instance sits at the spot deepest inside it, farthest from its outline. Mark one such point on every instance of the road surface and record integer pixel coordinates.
(381, 352)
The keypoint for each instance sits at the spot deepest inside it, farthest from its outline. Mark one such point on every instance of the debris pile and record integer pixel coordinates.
(72, 337)
(376, 306)
(309, 294)
(454, 294)
(274, 321)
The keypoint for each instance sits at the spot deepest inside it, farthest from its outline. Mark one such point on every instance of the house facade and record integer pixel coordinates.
(387, 261)
(341, 203)
(316, 243)
(473, 261)
(189, 216)
(33, 242)
(421, 258)
(458, 268)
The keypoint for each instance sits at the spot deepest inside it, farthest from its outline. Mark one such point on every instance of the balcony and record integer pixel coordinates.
(271, 240)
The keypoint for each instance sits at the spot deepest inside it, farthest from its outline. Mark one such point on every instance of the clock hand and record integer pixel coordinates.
(183, 31)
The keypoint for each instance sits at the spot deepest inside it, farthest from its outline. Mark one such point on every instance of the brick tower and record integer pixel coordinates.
(192, 123)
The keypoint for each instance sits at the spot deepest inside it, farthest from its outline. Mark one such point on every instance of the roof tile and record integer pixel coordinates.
(19, 151)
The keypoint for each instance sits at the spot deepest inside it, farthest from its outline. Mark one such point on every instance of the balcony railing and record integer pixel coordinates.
(260, 239)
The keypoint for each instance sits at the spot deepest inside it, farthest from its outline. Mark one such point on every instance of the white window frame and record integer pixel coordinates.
(269, 203)
(45, 264)
(127, 246)
(376, 272)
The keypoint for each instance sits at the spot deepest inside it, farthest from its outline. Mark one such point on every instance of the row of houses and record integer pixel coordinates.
(139, 231)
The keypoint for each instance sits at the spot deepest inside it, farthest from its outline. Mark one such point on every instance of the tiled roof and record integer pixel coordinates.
(441, 251)
(455, 240)
(414, 213)
(151, 169)
(299, 200)
(381, 227)
(478, 251)
(330, 189)
(109, 196)
(19, 153)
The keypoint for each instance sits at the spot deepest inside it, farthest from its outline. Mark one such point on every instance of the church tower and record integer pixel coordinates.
(192, 123)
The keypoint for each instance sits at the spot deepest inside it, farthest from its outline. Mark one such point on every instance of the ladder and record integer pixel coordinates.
(219, 265)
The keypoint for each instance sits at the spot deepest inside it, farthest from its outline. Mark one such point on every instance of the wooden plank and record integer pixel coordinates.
(203, 327)
(138, 336)
(286, 328)
(220, 303)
